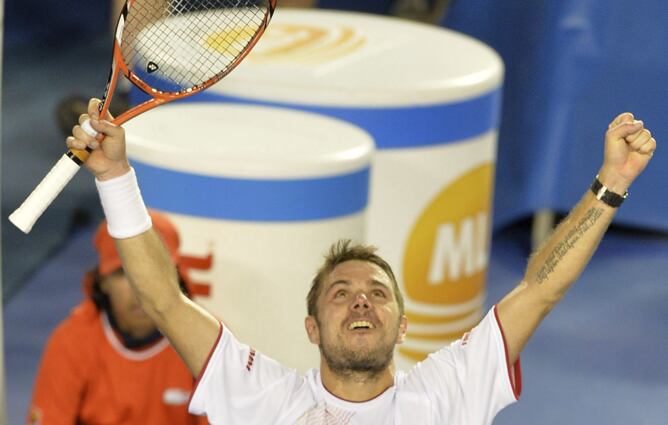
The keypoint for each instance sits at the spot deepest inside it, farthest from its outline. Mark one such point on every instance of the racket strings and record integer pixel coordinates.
(177, 45)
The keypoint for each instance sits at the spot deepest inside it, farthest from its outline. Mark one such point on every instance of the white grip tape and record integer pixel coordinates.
(85, 126)
(46, 191)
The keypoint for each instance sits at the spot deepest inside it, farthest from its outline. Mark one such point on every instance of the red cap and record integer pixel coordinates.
(108, 259)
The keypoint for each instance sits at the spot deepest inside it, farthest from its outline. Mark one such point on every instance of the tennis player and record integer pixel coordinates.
(355, 312)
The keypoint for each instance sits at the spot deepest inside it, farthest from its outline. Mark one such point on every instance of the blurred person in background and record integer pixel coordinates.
(107, 363)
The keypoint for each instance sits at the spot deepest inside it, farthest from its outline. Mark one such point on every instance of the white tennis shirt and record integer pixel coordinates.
(465, 383)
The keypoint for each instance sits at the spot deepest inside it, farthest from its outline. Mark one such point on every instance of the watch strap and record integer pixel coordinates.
(607, 196)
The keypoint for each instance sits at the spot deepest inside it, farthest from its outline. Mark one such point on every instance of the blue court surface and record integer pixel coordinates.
(599, 357)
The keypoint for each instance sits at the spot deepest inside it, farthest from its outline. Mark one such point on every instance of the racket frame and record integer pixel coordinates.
(25, 216)
(118, 66)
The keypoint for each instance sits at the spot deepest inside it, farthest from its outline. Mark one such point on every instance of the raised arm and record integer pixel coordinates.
(558, 263)
(191, 329)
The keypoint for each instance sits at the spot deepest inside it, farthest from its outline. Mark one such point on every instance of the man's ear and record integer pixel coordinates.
(312, 330)
(403, 328)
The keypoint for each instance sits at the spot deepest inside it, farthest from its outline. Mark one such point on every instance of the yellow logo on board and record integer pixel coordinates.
(445, 263)
(291, 43)
(230, 42)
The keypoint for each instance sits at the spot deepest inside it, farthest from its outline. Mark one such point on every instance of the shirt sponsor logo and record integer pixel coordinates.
(251, 359)
(175, 396)
(322, 413)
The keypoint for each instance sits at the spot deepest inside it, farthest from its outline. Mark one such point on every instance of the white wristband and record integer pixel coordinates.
(123, 206)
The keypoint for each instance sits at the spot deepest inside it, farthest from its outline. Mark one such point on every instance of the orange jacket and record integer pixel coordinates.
(88, 377)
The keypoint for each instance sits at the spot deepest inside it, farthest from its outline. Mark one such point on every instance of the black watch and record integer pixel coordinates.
(604, 194)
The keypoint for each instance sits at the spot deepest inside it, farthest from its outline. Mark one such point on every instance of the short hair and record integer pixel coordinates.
(340, 252)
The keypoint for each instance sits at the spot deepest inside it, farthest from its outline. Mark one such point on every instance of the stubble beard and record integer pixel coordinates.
(363, 364)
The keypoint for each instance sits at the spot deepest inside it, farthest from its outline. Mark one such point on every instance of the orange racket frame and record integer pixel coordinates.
(54, 182)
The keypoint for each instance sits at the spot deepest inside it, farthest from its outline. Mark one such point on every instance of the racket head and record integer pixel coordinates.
(172, 49)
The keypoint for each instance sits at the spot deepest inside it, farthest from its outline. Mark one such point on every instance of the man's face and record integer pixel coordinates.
(358, 321)
(125, 307)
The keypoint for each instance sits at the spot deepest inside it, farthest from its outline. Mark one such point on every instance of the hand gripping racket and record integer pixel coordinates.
(170, 49)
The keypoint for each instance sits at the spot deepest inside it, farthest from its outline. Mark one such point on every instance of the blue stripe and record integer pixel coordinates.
(253, 200)
(397, 127)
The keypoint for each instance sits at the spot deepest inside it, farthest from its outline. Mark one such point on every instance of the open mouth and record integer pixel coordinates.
(361, 324)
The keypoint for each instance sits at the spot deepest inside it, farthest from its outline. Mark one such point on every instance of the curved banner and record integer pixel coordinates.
(396, 127)
(253, 199)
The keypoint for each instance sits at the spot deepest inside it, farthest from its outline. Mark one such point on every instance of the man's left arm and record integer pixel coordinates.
(555, 266)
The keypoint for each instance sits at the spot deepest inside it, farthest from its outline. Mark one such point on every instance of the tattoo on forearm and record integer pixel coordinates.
(568, 243)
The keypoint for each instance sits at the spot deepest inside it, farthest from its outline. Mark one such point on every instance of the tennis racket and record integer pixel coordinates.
(170, 49)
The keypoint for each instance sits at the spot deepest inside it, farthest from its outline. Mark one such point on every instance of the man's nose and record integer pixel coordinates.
(361, 302)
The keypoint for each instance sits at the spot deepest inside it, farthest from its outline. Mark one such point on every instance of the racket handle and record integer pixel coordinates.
(46, 191)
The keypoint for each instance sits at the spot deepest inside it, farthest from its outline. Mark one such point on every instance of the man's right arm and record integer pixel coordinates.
(191, 329)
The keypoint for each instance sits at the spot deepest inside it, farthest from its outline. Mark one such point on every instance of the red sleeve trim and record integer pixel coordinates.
(514, 371)
(206, 363)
